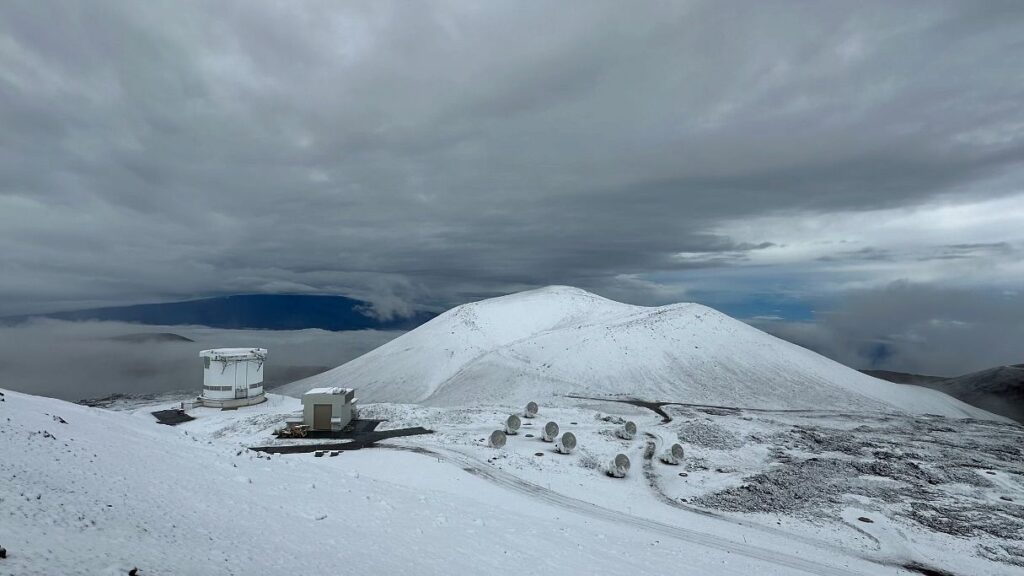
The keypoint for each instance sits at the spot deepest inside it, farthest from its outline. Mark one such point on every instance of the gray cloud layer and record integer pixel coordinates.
(428, 153)
(424, 154)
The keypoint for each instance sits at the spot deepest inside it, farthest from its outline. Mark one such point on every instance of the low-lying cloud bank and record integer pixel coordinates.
(915, 328)
(76, 360)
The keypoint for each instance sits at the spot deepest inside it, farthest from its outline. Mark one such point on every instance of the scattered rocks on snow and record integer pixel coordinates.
(821, 439)
(966, 520)
(708, 435)
(588, 460)
(610, 418)
(809, 484)
(1006, 553)
(779, 455)
(695, 464)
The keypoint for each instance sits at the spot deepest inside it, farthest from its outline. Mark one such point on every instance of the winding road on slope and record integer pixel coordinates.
(514, 483)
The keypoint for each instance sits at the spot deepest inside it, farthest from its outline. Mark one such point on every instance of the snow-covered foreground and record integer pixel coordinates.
(91, 491)
(543, 344)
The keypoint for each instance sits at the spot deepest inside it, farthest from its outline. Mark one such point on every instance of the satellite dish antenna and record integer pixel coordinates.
(497, 439)
(619, 466)
(550, 432)
(512, 424)
(566, 444)
(627, 432)
(531, 410)
(673, 455)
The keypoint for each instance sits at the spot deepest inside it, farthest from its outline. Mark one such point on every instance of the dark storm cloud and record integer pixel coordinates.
(425, 153)
(960, 251)
(868, 253)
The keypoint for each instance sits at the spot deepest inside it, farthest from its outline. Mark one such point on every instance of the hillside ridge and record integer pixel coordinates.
(559, 340)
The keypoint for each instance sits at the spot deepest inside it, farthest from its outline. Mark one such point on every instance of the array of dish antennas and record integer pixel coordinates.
(619, 466)
(627, 432)
(497, 439)
(550, 432)
(566, 444)
(674, 455)
(563, 445)
(512, 424)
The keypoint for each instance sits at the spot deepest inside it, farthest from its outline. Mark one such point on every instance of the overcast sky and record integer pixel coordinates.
(793, 162)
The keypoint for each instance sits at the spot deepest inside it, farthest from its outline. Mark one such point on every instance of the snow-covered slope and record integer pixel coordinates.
(92, 492)
(89, 491)
(560, 340)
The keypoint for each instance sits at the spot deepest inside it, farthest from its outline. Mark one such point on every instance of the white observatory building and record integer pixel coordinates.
(232, 377)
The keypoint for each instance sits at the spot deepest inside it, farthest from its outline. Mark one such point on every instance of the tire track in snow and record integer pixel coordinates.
(482, 470)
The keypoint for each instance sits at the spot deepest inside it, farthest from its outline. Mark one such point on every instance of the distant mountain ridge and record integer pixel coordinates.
(999, 390)
(904, 377)
(148, 337)
(247, 311)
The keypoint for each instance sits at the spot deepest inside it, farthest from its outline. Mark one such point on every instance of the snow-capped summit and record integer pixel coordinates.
(560, 340)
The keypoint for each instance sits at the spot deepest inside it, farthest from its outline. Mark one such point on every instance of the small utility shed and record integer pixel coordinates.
(328, 408)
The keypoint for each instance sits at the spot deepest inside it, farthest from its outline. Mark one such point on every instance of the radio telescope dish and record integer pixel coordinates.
(566, 444)
(531, 410)
(619, 466)
(550, 432)
(627, 432)
(512, 424)
(497, 439)
(673, 455)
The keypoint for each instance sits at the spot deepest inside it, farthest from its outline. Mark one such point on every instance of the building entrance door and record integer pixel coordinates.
(321, 416)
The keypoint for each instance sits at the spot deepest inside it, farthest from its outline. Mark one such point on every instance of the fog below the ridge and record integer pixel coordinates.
(77, 360)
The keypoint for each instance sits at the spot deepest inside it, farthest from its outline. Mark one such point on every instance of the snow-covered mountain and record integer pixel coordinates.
(560, 340)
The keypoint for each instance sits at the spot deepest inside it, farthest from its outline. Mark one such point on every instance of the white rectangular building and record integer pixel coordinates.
(328, 409)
